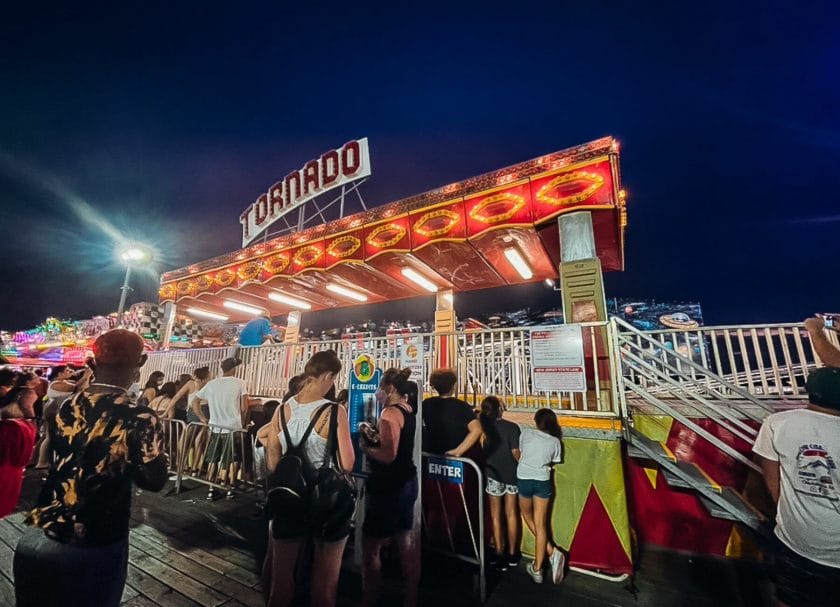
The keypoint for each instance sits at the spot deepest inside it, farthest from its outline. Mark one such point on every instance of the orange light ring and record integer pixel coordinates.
(168, 291)
(225, 277)
(186, 287)
(454, 219)
(519, 202)
(249, 271)
(276, 263)
(596, 182)
(204, 282)
(355, 243)
(371, 239)
(308, 255)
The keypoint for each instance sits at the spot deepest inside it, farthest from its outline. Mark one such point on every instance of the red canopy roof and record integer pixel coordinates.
(455, 237)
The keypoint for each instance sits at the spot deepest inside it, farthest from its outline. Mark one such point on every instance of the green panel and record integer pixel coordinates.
(655, 427)
(586, 462)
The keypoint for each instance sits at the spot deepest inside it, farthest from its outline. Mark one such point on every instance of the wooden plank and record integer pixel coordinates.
(140, 601)
(9, 534)
(243, 560)
(209, 560)
(201, 594)
(6, 557)
(199, 572)
(7, 591)
(152, 589)
(128, 594)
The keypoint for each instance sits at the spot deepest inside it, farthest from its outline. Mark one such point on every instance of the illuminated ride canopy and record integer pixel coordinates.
(475, 234)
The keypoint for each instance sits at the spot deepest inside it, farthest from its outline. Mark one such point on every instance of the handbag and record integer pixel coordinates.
(333, 499)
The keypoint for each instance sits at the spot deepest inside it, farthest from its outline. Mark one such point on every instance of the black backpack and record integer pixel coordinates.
(304, 500)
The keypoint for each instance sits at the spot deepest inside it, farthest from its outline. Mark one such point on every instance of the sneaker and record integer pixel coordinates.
(513, 560)
(558, 564)
(537, 576)
(499, 563)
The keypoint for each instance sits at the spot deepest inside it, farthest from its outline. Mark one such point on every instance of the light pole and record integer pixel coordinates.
(132, 255)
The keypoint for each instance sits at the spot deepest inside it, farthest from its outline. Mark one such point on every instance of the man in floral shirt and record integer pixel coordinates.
(103, 442)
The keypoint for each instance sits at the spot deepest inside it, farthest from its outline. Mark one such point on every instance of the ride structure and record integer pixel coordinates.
(658, 424)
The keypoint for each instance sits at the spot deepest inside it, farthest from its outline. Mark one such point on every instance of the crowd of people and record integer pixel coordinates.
(100, 433)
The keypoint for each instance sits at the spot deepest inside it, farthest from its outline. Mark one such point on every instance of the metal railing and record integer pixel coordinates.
(768, 361)
(493, 361)
(471, 513)
(680, 395)
(219, 457)
(173, 439)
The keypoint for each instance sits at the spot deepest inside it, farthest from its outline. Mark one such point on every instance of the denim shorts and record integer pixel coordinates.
(497, 489)
(529, 488)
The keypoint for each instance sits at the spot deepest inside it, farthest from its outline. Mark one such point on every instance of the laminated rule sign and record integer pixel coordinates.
(557, 359)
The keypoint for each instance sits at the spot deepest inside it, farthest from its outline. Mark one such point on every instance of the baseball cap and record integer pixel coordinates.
(823, 387)
(230, 363)
(118, 347)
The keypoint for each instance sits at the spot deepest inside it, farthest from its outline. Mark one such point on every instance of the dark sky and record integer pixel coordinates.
(166, 120)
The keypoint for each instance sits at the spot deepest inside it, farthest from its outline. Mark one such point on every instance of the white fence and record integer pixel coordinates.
(769, 361)
(496, 361)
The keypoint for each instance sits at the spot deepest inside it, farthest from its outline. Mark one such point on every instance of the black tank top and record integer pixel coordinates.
(391, 477)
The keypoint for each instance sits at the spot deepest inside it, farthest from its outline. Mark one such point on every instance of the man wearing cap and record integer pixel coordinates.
(800, 452)
(256, 331)
(77, 550)
(227, 399)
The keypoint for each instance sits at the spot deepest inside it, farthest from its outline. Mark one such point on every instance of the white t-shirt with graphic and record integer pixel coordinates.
(539, 451)
(807, 446)
(224, 399)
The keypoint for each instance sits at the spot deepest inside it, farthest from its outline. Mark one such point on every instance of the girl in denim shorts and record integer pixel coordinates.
(500, 441)
(540, 448)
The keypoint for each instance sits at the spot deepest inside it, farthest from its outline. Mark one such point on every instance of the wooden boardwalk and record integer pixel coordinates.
(162, 571)
(183, 550)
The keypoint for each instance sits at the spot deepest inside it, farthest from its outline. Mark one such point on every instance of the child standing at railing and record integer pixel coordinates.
(540, 448)
(500, 441)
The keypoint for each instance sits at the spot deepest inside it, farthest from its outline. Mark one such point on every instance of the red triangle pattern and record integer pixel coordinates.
(596, 544)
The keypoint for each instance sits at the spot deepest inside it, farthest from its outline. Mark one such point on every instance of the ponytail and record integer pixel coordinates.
(491, 411)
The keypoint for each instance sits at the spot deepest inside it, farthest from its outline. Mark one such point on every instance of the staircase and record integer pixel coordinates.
(661, 381)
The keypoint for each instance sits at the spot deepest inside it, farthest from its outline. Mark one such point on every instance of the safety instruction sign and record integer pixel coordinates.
(557, 361)
(411, 357)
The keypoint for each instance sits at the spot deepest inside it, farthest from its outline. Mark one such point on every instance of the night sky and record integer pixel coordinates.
(163, 122)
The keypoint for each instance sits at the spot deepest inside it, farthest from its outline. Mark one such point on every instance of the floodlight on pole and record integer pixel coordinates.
(133, 255)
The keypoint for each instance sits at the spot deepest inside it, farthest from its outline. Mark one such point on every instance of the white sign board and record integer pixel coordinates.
(333, 169)
(411, 357)
(557, 359)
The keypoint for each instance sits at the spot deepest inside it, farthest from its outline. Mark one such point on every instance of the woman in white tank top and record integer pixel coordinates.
(281, 558)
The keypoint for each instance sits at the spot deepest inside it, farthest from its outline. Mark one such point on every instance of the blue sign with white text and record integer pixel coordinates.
(442, 469)
(362, 398)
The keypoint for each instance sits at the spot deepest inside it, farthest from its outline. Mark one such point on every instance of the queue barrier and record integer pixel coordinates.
(220, 457)
(173, 439)
(453, 511)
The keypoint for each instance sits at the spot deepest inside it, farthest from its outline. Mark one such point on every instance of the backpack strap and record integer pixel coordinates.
(312, 422)
(331, 452)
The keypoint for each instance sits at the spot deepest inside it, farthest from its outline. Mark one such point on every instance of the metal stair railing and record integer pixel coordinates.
(630, 338)
(661, 371)
(707, 407)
